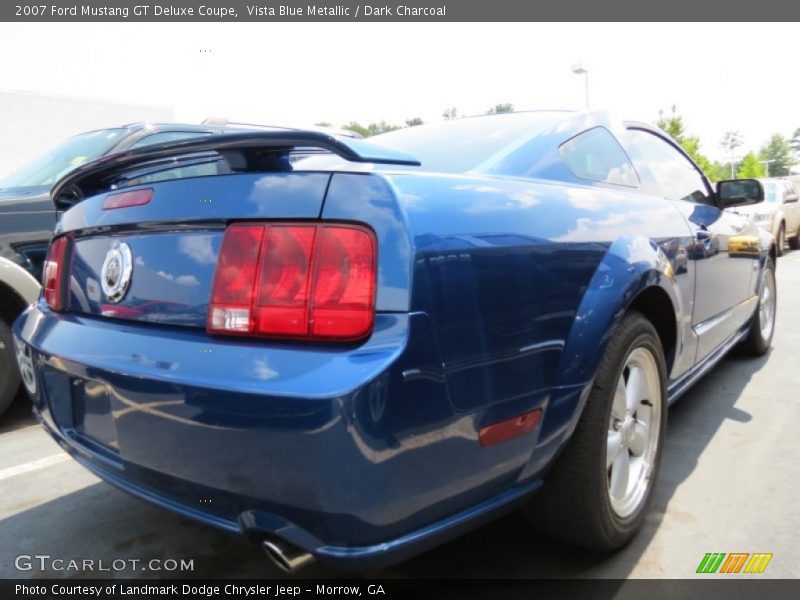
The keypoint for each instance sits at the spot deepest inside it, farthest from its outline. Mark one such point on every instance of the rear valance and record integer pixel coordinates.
(243, 152)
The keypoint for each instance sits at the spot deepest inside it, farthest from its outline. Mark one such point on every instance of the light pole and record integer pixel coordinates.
(766, 164)
(579, 69)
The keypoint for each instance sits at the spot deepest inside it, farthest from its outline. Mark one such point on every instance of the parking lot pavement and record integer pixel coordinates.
(728, 484)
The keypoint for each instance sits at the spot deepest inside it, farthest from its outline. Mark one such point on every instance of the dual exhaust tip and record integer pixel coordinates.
(287, 557)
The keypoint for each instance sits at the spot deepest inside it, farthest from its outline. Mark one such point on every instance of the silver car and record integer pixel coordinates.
(779, 213)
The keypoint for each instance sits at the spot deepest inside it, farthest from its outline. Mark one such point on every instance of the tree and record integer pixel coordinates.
(382, 127)
(730, 141)
(673, 125)
(371, 129)
(414, 122)
(450, 113)
(357, 128)
(778, 151)
(505, 107)
(323, 124)
(795, 141)
(750, 167)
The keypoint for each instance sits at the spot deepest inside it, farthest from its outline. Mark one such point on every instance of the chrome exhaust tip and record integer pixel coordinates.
(286, 557)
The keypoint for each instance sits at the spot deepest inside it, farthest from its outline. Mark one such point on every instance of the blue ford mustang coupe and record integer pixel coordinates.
(353, 351)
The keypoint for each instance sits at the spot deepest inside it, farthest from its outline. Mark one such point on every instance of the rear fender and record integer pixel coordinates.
(631, 265)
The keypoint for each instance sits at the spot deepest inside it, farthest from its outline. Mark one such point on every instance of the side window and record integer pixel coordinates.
(595, 155)
(675, 174)
(167, 136)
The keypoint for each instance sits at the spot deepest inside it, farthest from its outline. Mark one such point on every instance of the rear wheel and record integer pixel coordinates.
(9, 373)
(781, 239)
(762, 328)
(598, 492)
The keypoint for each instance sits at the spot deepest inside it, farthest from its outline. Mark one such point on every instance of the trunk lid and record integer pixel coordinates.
(174, 240)
(169, 244)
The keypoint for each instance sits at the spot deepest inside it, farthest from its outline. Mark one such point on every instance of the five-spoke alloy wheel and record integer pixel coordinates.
(598, 492)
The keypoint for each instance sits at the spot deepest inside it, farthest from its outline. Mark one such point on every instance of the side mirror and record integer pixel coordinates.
(740, 192)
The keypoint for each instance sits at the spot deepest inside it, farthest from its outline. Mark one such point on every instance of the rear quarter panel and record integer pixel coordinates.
(523, 280)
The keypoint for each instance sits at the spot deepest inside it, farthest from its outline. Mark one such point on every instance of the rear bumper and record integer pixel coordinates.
(257, 524)
(336, 450)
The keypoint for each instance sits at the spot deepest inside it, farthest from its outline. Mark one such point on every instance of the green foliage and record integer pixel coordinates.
(725, 170)
(779, 152)
(450, 113)
(414, 122)
(357, 128)
(750, 167)
(505, 107)
(371, 129)
(674, 126)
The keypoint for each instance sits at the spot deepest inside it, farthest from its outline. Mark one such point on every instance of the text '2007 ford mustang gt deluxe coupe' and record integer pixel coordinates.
(355, 350)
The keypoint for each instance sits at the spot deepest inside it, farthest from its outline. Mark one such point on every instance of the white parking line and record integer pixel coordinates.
(34, 465)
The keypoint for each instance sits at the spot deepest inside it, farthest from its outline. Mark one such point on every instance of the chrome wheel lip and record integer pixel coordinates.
(633, 432)
(766, 306)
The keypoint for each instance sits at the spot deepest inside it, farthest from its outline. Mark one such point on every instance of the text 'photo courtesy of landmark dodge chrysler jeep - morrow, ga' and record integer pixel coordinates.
(351, 350)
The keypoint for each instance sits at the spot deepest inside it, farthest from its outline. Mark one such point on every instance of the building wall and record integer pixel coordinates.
(32, 123)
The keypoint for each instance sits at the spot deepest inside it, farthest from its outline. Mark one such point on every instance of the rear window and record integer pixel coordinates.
(458, 145)
(463, 144)
(595, 155)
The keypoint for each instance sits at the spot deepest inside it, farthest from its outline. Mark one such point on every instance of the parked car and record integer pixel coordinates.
(779, 213)
(359, 354)
(27, 217)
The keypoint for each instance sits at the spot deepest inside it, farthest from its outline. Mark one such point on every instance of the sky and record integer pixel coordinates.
(720, 76)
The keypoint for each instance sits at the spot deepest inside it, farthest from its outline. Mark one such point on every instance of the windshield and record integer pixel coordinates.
(48, 169)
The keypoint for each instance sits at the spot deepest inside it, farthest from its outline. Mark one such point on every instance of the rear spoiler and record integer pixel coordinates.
(241, 151)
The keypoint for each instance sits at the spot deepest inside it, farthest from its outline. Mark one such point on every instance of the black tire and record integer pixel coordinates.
(9, 373)
(757, 343)
(574, 503)
(794, 241)
(780, 241)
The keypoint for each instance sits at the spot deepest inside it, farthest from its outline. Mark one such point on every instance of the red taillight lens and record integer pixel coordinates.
(54, 273)
(126, 199)
(344, 283)
(295, 281)
(285, 281)
(232, 296)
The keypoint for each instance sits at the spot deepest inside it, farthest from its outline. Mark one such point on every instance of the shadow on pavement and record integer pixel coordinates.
(18, 415)
(507, 547)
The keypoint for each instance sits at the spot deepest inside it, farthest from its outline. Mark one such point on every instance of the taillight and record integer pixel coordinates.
(295, 281)
(126, 199)
(53, 282)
